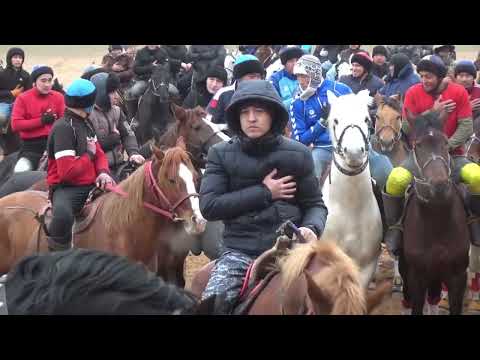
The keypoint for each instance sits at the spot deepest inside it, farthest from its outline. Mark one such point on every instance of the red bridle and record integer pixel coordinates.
(158, 195)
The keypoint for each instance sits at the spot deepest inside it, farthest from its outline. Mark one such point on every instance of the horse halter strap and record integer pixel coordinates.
(338, 150)
(159, 195)
(472, 139)
(398, 134)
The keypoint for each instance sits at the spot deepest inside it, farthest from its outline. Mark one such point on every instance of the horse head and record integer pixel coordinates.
(197, 130)
(160, 82)
(175, 180)
(431, 157)
(388, 124)
(348, 124)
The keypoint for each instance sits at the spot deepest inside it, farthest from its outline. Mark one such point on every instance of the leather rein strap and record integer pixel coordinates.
(158, 194)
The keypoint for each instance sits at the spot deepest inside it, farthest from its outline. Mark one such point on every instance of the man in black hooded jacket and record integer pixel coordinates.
(13, 81)
(254, 183)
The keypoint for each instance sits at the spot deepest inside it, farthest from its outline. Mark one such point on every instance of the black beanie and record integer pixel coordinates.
(363, 59)
(290, 52)
(219, 73)
(380, 50)
(39, 71)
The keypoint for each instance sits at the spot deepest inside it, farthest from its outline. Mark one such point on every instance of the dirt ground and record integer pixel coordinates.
(390, 306)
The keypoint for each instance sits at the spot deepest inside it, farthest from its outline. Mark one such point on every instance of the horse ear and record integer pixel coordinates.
(332, 98)
(364, 94)
(314, 291)
(159, 154)
(397, 97)
(179, 112)
(181, 143)
(379, 99)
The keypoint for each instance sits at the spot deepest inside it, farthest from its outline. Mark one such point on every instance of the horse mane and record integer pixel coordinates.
(90, 282)
(339, 278)
(425, 122)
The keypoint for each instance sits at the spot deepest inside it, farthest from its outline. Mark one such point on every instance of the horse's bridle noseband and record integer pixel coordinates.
(339, 151)
(398, 134)
(158, 194)
(472, 139)
(422, 181)
(155, 88)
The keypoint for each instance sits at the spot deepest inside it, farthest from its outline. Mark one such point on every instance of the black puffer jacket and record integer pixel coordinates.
(232, 189)
(143, 66)
(176, 54)
(203, 57)
(10, 78)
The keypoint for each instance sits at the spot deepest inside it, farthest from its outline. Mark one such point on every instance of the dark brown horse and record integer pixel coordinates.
(314, 279)
(388, 129)
(436, 238)
(139, 219)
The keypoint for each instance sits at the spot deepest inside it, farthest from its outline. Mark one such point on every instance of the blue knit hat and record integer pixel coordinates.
(39, 70)
(247, 64)
(80, 94)
(433, 64)
(466, 66)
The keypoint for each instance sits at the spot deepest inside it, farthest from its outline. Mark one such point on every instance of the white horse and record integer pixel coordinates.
(354, 220)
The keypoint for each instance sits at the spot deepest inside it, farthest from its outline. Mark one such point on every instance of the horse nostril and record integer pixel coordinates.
(345, 149)
(363, 149)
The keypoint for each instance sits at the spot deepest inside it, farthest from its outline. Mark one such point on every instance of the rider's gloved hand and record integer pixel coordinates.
(48, 117)
(308, 234)
(137, 158)
(17, 91)
(103, 180)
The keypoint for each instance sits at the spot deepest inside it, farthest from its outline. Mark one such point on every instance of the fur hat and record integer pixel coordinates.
(219, 73)
(290, 52)
(380, 50)
(363, 59)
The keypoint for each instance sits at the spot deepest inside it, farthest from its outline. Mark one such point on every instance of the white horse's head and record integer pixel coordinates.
(344, 68)
(348, 124)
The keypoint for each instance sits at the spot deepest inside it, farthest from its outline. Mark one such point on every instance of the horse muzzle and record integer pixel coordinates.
(386, 145)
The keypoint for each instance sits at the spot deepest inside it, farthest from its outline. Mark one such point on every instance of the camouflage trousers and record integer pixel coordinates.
(227, 276)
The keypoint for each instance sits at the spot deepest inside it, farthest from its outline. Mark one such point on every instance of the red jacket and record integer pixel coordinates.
(68, 161)
(28, 109)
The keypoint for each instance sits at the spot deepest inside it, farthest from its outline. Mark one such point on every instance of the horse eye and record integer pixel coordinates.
(367, 120)
(335, 121)
(172, 181)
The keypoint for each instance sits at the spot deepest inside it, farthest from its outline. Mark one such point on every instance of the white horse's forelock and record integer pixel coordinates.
(187, 177)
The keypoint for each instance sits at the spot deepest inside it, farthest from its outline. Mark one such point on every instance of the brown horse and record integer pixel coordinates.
(265, 55)
(317, 278)
(139, 219)
(388, 129)
(473, 144)
(436, 237)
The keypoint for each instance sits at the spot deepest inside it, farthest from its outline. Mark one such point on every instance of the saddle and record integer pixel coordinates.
(264, 268)
(83, 219)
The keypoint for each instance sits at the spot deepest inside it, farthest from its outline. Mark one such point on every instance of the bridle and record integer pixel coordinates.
(163, 207)
(472, 139)
(422, 181)
(339, 151)
(398, 133)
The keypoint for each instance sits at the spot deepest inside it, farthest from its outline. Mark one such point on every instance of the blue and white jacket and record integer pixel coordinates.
(286, 85)
(305, 115)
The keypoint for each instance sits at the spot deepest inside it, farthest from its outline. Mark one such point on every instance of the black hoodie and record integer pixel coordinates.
(10, 77)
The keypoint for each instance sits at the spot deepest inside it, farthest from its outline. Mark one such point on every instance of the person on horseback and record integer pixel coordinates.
(465, 74)
(216, 79)
(14, 80)
(401, 76)
(203, 57)
(246, 67)
(110, 124)
(380, 64)
(268, 178)
(33, 115)
(308, 114)
(114, 51)
(414, 52)
(448, 55)
(363, 78)
(450, 101)
(284, 81)
(76, 163)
